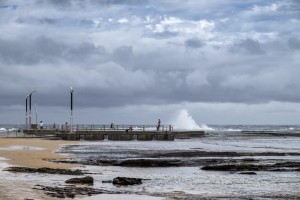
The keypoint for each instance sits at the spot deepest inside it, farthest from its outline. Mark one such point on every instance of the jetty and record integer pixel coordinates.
(100, 132)
(116, 133)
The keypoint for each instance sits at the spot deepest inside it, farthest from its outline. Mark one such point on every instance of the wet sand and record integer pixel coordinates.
(28, 153)
(33, 152)
(36, 153)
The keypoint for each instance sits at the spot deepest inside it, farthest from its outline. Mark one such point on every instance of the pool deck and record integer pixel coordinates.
(115, 135)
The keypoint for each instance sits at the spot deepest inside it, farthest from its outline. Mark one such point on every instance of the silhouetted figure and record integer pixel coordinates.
(112, 125)
(41, 125)
(66, 126)
(158, 125)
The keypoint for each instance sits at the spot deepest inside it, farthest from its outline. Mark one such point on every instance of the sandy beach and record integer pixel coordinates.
(29, 152)
(36, 153)
(33, 152)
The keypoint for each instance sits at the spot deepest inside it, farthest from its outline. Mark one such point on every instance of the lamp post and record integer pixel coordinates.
(26, 116)
(35, 106)
(71, 114)
(29, 117)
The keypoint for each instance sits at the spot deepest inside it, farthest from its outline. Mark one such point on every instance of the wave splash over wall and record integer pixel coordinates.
(184, 121)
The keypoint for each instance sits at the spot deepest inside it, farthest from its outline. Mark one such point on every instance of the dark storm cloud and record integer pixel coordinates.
(44, 49)
(120, 55)
(29, 51)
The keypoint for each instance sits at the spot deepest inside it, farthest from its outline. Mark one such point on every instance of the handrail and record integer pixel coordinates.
(104, 127)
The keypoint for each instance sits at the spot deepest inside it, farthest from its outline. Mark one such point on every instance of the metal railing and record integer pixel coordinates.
(17, 130)
(101, 127)
(122, 127)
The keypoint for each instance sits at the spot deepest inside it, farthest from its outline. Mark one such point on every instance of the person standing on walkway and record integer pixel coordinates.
(158, 125)
(41, 125)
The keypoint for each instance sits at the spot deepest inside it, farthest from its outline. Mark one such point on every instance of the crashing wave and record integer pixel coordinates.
(184, 121)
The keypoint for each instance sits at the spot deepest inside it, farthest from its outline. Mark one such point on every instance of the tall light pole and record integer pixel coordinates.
(71, 114)
(35, 106)
(29, 121)
(26, 116)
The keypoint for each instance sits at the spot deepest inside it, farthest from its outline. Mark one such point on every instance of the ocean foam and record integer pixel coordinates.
(184, 121)
(3, 130)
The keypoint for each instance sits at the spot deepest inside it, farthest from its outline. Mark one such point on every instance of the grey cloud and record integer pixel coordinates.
(32, 20)
(80, 3)
(45, 49)
(162, 35)
(62, 22)
(294, 43)
(11, 7)
(194, 43)
(30, 51)
(248, 46)
(56, 3)
(119, 65)
(122, 2)
(295, 5)
(87, 52)
(124, 55)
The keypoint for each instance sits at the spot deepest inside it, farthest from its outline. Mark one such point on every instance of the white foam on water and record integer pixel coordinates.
(184, 121)
(233, 130)
(204, 127)
(3, 164)
(3, 130)
(150, 129)
(122, 196)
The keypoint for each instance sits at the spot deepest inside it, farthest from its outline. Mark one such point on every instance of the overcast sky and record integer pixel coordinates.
(134, 61)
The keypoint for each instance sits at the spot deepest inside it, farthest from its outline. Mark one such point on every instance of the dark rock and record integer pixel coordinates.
(248, 173)
(127, 181)
(249, 160)
(150, 163)
(288, 164)
(107, 181)
(69, 191)
(70, 195)
(84, 180)
(44, 170)
(278, 167)
(231, 167)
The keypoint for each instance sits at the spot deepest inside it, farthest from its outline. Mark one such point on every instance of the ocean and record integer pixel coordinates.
(175, 170)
